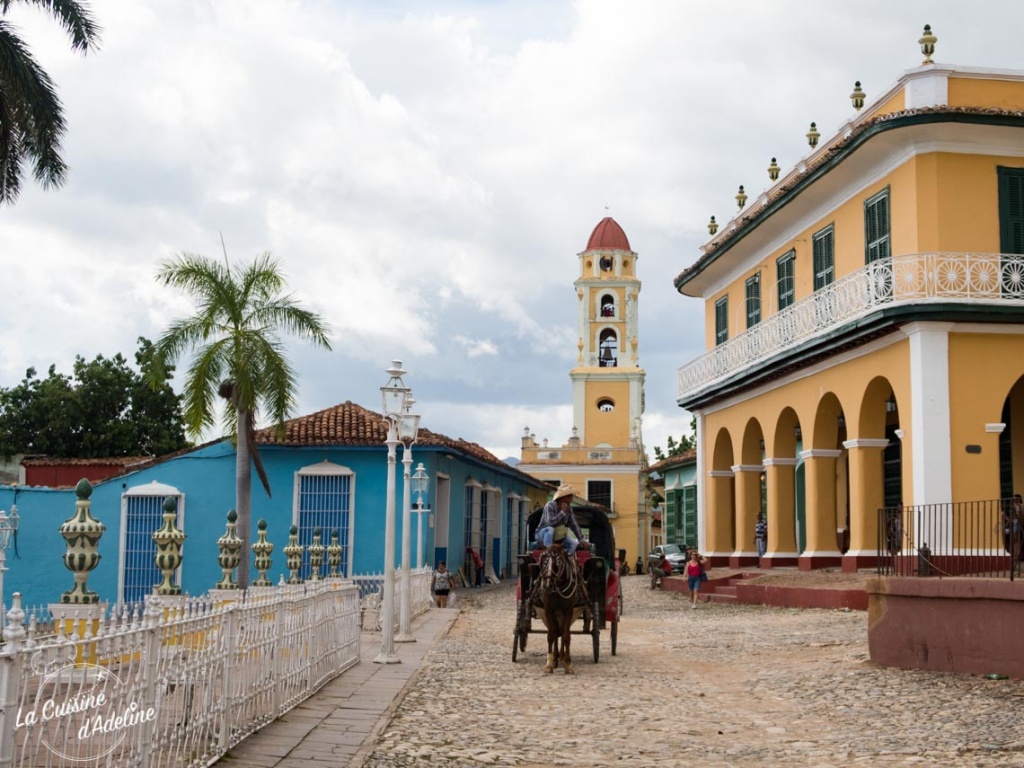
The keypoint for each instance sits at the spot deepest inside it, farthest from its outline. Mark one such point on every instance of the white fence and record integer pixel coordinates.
(178, 684)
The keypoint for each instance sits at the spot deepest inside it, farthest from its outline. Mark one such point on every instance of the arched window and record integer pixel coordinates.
(607, 305)
(609, 349)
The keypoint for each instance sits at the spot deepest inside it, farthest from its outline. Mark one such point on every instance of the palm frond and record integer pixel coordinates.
(73, 16)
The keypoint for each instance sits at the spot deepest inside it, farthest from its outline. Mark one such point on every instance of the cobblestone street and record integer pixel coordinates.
(723, 685)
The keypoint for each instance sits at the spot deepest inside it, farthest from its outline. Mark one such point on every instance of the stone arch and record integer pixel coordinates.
(719, 533)
(784, 515)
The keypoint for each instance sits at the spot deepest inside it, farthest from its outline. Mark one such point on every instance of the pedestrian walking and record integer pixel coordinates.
(695, 574)
(441, 585)
(761, 535)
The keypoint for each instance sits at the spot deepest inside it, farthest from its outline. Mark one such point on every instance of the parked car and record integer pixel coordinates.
(675, 554)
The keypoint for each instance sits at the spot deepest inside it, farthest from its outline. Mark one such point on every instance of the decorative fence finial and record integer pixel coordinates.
(334, 554)
(229, 545)
(82, 533)
(168, 542)
(712, 226)
(293, 555)
(857, 97)
(316, 556)
(741, 198)
(262, 549)
(773, 170)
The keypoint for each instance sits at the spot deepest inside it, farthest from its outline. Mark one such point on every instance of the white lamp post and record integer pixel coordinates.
(420, 484)
(8, 527)
(393, 396)
(407, 428)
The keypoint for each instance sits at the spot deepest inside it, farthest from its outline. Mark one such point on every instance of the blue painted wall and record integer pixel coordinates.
(206, 478)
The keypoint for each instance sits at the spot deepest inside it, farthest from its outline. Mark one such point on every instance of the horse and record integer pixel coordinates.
(562, 595)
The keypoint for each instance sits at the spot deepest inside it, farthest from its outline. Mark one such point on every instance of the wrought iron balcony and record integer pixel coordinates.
(916, 278)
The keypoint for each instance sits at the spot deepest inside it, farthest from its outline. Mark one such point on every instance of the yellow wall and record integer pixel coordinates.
(971, 92)
(895, 103)
(607, 427)
(983, 368)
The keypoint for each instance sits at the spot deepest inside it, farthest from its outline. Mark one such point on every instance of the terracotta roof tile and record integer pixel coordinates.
(351, 424)
(608, 235)
(686, 457)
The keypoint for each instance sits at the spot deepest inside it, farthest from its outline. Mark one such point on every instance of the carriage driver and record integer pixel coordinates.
(558, 514)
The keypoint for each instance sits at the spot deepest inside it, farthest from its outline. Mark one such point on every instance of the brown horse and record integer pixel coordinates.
(562, 595)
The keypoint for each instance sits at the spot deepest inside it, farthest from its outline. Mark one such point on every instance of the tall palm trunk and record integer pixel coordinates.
(243, 493)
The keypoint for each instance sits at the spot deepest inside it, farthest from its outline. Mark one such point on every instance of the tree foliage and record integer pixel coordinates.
(31, 116)
(673, 448)
(104, 409)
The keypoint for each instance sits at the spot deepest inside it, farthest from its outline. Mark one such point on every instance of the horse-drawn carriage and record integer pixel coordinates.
(599, 568)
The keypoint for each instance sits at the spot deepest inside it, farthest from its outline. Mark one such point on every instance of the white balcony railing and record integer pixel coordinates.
(974, 278)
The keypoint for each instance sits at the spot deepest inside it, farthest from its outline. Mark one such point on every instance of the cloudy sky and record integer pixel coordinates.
(426, 173)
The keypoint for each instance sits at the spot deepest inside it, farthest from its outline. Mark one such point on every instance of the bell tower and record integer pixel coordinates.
(607, 382)
(603, 458)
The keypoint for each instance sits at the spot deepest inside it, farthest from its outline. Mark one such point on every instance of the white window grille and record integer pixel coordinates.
(142, 516)
(323, 499)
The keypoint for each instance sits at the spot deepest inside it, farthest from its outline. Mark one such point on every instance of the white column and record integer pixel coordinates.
(404, 632)
(929, 410)
(387, 631)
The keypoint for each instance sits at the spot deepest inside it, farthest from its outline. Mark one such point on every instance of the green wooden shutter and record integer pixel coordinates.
(876, 227)
(784, 283)
(722, 320)
(690, 515)
(753, 301)
(824, 261)
(1011, 210)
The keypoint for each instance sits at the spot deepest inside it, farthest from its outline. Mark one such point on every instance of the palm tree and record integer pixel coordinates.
(31, 116)
(238, 356)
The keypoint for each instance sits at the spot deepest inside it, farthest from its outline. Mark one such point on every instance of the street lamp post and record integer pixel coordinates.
(408, 429)
(420, 484)
(393, 397)
(8, 527)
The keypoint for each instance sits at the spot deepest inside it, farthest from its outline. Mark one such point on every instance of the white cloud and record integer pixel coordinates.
(427, 173)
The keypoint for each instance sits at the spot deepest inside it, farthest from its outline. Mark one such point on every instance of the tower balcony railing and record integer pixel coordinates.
(915, 278)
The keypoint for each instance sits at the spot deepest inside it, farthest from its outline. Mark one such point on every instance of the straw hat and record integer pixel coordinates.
(563, 490)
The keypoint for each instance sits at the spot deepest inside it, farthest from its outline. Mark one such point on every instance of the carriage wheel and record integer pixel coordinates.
(595, 632)
(516, 640)
(615, 635)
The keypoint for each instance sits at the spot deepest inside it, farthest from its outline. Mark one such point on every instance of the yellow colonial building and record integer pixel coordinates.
(864, 324)
(604, 457)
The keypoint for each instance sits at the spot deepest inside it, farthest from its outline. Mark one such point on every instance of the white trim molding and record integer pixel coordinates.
(720, 473)
(820, 453)
(781, 462)
(866, 442)
(748, 468)
(997, 427)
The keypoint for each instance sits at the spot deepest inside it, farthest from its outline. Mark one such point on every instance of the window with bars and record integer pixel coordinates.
(471, 537)
(1011, 210)
(600, 492)
(722, 320)
(325, 502)
(511, 530)
(143, 515)
(876, 227)
(785, 283)
(753, 301)
(824, 258)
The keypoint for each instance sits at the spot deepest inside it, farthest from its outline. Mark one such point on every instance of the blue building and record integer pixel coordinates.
(328, 470)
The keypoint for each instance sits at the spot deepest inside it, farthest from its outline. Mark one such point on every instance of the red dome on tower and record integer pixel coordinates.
(608, 235)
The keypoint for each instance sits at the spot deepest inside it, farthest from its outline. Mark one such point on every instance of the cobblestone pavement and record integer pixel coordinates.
(723, 685)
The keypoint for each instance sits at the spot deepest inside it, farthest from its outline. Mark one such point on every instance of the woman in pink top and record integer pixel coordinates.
(695, 574)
